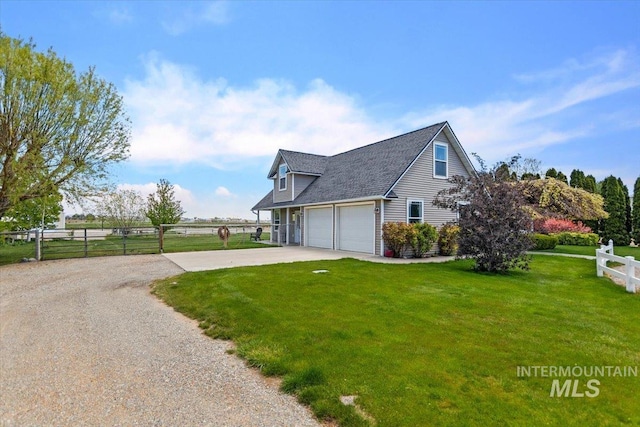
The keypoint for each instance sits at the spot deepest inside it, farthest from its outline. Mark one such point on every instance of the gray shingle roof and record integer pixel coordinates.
(363, 172)
(310, 164)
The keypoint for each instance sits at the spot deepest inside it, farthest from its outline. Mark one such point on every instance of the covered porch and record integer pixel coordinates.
(286, 226)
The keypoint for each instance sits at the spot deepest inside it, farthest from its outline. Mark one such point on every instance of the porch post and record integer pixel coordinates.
(286, 230)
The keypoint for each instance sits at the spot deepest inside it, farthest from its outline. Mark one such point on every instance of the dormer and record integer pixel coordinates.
(292, 172)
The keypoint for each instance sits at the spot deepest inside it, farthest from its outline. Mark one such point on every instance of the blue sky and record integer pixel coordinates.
(213, 89)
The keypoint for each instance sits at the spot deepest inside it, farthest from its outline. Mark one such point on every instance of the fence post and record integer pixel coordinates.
(611, 246)
(161, 238)
(124, 242)
(38, 248)
(86, 246)
(630, 272)
(599, 262)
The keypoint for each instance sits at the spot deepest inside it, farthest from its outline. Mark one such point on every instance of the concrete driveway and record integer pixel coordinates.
(213, 260)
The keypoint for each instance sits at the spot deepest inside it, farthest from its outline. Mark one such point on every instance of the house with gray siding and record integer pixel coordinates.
(340, 202)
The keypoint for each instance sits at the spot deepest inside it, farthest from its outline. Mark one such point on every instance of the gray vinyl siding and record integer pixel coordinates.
(419, 183)
(282, 195)
(301, 182)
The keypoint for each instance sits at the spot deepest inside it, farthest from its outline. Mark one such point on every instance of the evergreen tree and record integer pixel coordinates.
(577, 179)
(614, 228)
(551, 173)
(635, 213)
(590, 184)
(627, 205)
(527, 176)
(562, 177)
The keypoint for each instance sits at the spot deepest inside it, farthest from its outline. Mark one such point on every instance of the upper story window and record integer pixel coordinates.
(440, 160)
(282, 177)
(415, 211)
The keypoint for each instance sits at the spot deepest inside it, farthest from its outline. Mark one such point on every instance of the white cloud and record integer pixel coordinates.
(120, 15)
(524, 124)
(184, 195)
(223, 191)
(179, 118)
(196, 14)
(220, 203)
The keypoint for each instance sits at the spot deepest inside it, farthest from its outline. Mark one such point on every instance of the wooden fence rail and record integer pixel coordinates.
(605, 254)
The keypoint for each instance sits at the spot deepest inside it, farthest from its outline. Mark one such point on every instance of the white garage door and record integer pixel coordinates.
(356, 228)
(319, 229)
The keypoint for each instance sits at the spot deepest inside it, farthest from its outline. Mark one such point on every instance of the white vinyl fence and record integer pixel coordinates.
(605, 254)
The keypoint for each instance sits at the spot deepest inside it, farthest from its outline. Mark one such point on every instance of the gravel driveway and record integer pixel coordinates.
(82, 342)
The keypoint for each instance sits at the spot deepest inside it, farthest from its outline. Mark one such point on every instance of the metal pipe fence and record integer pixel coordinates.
(87, 242)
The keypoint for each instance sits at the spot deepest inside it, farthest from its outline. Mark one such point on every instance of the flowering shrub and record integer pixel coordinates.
(557, 225)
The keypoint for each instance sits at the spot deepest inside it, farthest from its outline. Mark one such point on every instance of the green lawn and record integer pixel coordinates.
(426, 344)
(591, 250)
(189, 243)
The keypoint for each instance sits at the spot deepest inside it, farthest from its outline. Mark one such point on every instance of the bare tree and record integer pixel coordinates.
(122, 208)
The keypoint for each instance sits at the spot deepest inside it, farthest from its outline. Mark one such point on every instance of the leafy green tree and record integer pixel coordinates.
(34, 213)
(59, 130)
(492, 220)
(162, 208)
(614, 227)
(635, 213)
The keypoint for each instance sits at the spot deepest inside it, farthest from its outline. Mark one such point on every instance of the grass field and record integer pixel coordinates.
(426, 344)
(591, 250)
(113, 245)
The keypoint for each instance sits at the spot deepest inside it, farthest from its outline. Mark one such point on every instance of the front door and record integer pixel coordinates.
(296, 232)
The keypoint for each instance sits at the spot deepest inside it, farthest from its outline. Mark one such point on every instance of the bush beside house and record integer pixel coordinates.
(448, 239)
(401, 237)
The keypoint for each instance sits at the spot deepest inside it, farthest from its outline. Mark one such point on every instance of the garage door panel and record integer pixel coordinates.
(356, 228)
(319, 230)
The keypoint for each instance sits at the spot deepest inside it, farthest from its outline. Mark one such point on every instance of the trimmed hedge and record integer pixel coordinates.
(544, 241)
(577, 239)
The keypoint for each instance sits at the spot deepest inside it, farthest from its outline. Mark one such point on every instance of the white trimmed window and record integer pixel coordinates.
(415, 211)
(440, 160)
(282, 177)
(461, 206)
